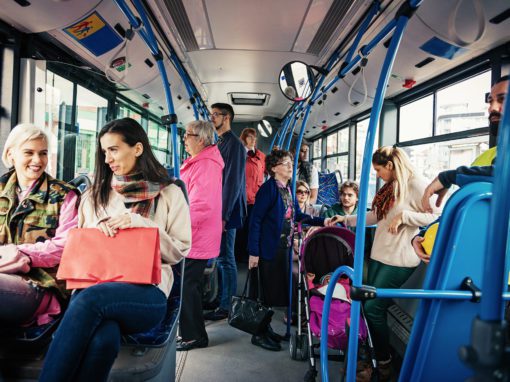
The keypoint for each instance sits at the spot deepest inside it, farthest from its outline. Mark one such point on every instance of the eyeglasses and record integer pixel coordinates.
(287, 163)
(215, 114)
(186, 135)
(302, 192)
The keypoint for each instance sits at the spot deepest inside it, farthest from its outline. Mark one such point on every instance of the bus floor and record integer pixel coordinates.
(230, 355)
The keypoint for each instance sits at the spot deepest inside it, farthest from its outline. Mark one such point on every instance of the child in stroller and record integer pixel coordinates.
(321, 253)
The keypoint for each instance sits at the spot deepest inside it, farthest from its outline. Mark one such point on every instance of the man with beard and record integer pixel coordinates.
(445, 179)
(233, 203)
(484, 164)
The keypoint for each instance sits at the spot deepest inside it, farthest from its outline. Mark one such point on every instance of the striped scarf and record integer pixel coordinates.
(383, 200)
(139, 194)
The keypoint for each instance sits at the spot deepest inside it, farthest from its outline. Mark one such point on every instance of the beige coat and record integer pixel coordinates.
(171, 217)
(396, 249)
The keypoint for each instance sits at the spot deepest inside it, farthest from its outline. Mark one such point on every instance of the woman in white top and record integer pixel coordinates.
(131, 189)
(397, 211)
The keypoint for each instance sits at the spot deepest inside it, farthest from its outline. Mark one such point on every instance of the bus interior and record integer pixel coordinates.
(71, 66)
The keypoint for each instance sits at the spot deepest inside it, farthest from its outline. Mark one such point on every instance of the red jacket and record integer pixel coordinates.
(255, 168)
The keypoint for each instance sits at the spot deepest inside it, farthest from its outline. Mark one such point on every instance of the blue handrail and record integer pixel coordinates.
(291, 130)
(363, 52)
(286, 125)
(144, 29)
(275, 136)
(492, 286)
(399, 26)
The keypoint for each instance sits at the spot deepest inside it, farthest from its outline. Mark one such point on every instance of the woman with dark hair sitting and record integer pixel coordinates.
(131, 189)
(270, 237)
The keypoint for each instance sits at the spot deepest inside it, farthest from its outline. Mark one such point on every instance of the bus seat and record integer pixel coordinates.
(458, 253)
(160, 335)
(328, 188)
(81, 182)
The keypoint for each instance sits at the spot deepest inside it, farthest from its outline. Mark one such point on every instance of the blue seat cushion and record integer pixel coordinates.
(328, 189)
(159, 335)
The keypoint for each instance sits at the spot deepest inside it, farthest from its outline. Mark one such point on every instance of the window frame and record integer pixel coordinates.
(433, 90)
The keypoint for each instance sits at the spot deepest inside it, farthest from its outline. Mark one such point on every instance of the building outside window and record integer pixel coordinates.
(460, 108)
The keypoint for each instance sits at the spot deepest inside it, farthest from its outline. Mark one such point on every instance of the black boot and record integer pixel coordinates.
(265, 342)
(274, 336)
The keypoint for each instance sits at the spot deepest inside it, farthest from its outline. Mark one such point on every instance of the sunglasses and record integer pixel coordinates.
(302, 192)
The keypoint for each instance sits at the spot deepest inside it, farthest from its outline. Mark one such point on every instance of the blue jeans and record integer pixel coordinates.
(227, 267)
(88, 338)
(20, 296)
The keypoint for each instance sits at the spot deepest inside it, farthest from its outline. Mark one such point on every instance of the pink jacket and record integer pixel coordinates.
(203, 178)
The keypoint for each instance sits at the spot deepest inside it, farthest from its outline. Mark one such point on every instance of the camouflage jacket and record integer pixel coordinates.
(33, 220)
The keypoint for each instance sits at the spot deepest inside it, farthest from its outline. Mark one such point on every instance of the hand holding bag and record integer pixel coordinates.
(90, 257)
(250, 316)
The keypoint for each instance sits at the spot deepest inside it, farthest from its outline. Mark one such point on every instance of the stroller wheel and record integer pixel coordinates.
(298, 347)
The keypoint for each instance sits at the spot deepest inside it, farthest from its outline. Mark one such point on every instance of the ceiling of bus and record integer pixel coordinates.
(240, 46)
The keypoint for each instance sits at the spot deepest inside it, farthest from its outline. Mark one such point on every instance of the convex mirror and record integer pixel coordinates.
(264, 128)
(297, 81)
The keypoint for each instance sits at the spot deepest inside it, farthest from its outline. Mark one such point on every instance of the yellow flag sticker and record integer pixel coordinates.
(86, 27)
(94, 33)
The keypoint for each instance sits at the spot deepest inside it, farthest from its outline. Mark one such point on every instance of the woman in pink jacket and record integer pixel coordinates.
(202, 174)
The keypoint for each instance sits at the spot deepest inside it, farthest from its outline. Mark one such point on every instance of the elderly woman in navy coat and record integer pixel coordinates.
(270, 233)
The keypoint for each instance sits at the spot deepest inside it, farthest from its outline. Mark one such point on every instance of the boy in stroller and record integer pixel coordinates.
(322, 253)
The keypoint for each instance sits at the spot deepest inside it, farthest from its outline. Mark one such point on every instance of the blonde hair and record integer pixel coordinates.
(402, 168)
(21, 134)
(302, 183)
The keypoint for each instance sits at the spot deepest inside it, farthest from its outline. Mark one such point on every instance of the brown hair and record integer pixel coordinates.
(246, 132)
(274, 158)
(350, 184)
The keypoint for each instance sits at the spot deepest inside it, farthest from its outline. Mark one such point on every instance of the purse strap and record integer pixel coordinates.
(259, 285)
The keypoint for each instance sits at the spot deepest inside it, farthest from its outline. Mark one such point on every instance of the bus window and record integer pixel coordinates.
(361, 136)
(317, 154)
(462, 106)
(58, 114)
(416, 119)
(91, 112)
(126, 112)
(447, 155)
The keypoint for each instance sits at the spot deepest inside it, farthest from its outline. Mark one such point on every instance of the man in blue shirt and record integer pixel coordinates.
(234, 203)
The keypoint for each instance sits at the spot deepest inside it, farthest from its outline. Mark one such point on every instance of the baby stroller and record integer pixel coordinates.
(323, 251)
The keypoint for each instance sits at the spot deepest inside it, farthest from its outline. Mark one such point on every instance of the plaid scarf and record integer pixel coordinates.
(383, 200)
(139, 194)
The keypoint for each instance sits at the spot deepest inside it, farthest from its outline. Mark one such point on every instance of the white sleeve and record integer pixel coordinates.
(314, 180)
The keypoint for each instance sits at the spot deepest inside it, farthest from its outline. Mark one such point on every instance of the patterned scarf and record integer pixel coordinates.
(383, 200)
(139, 194)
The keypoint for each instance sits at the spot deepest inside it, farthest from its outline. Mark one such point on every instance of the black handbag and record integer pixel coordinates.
(250, 316)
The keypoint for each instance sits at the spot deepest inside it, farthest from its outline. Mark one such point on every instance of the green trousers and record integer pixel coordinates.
(382, 276)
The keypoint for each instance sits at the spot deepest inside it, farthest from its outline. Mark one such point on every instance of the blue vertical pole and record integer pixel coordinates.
(360, 223)
(291, 132)
(146, 33)
(363, 28)
(491, 304)
(365, 175)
